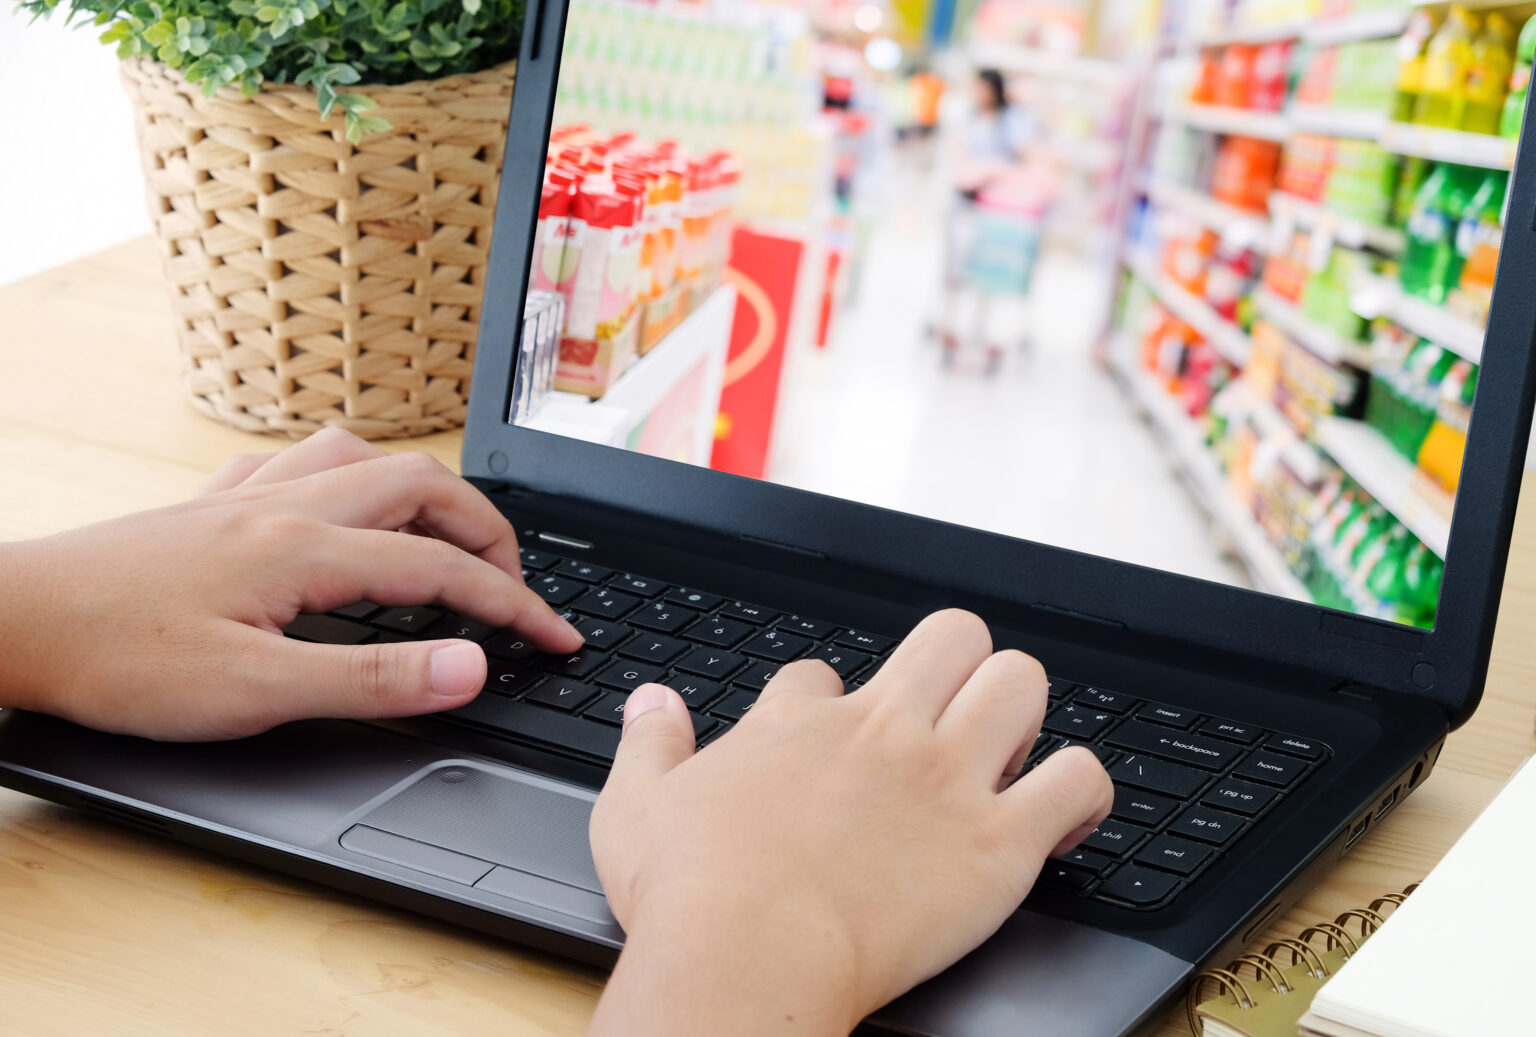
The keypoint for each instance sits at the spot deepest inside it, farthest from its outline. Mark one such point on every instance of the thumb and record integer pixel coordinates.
(383, 680)
(658, 735)
(1058, 803)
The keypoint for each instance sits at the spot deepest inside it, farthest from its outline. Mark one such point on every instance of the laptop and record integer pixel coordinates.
(1253, 738)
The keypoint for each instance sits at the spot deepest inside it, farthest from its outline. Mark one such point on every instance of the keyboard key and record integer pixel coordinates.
(357, 610)
(1173, 716)
(1105, 754)
(712, 662)
(721, 727)
(845, 661)
(1094, 862)
(453, 625)
(875, 644)
(508, 644)
(722, 633)
(537, 724)
(812, 628)
(1044, 744)
(749, 612)
(1271, 769)
(1295, 745)
(605, 603)
(557, 590)
(327, 630)
(1154, 775)
(1059, 689)
(609, 709)
(1108, 701)
(654, 648)
(734, 706)
(780, 647)
(1143, 808)
(627, 676)
(1076, 721)
(1069, 876)
(702, 725)
(407, 620)
(641, 585)
(578, 664)
(1240, 797)
(538, 561)
(1139, 886)
(694, 599)
(757, 675)
(562, 693)
(509, 678)
(1244, 733)
(1207, 825)
(697, 693)
(1114, 838)
(583, 571)
(668, 619)
(1173, 854)
(1205, 753)
(601, 634)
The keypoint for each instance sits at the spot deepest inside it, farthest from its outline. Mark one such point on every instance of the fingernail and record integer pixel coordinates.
(642, 700)
(456, 668)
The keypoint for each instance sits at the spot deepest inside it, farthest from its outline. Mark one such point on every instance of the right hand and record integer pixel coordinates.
(832, 850)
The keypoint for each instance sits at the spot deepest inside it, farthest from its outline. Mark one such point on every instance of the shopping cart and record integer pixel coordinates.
(992, 248)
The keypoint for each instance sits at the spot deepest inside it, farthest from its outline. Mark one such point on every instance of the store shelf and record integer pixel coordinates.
(1227, 338)
(1324, 342)
(1368, 25)
(1049, 64)
(1238, 227)
(1238, 122)
(1374, 297)
(1209, 486)
(1336, 122)
(1345, 230)
(1386, 475)
(1467, 149)
(1256, 34)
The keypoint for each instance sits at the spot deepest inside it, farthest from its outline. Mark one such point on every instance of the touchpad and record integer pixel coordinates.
(531, 835)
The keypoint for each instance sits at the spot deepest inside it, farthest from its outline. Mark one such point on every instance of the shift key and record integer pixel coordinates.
(1180, 746)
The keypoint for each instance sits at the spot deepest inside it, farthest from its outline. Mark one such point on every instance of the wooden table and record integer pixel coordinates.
(106, 931)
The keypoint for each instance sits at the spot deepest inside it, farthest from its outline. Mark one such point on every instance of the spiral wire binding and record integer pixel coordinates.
(1268, 969)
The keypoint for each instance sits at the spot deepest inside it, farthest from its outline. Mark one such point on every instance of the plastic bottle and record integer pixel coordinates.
(1520, 81)
(1477, 248)
(1447, 61)
(1411, 46)
(1493, 61)
(1430, 264)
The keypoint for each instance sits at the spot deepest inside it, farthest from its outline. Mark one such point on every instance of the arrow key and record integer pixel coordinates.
(1138, 886)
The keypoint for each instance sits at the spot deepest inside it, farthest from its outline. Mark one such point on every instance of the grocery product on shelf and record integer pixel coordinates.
(1411, 51)
(1244, 172)
(1441, 453)
(1488, 78)
(1477, 249)
(539, 347)
(1431, 266)
(1447, 60)
(1519, 82)
(1269, 76)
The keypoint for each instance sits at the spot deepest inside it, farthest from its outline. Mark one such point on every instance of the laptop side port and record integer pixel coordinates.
(1388, 802)
(1357, 831)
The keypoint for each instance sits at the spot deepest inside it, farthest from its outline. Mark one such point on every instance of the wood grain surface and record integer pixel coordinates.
(106, 931)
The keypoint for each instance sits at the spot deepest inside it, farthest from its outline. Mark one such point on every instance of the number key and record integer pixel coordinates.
(780, 647)
(668, 619)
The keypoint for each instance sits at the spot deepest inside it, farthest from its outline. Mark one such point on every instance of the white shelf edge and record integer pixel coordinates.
(1374, 296)
(1368, 25)
(1229, 340)
(1323, 342)
(1237, 122)
(1328, 121)
(1257, 34)
(1346, 230)
(1467, 149)
(1386, 475)
(1238, 228)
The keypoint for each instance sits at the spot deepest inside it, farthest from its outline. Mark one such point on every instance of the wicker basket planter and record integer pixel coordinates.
(316, 282)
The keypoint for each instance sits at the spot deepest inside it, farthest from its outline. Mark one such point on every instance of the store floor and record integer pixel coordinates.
(1047, 449)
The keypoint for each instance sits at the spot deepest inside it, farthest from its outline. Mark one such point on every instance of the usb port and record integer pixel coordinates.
(1387, 803)
(1356, 832)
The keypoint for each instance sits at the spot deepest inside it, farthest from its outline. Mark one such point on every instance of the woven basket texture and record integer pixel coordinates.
(316, 282)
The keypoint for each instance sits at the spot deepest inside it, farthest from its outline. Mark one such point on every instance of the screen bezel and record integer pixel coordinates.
(1447, 665)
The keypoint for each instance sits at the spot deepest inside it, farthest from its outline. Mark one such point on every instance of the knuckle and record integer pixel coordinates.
(375, 672)
(418, 465)
(279, 531)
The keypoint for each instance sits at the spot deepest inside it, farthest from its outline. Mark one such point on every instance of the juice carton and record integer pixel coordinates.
(601, 290)
(552, 269)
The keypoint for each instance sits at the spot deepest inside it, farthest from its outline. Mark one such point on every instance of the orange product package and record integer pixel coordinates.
(1244, 172)
(1204, 91)
(1234, 78)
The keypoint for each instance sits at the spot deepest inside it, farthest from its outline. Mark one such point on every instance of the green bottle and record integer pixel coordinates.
(1430, 265)
(1482, 223)
(1520, 81)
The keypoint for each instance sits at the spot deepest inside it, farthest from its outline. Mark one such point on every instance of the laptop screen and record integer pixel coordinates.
(985, 286)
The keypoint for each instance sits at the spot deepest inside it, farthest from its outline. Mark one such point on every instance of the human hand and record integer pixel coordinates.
(832, 850)
(168, 623)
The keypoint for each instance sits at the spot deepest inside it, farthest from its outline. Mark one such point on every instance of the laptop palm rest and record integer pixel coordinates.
(504, 832)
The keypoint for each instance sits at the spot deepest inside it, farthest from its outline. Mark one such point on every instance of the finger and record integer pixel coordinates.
(997, 713)
(329, 448)
(934, 660)
(233, 472)
(338, 566)
(1062, 799)
(393, 491)
(805, 677)
(389, 680)
(658, 735)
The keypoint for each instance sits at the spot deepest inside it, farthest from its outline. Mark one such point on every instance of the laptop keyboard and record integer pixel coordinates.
(1187, 785)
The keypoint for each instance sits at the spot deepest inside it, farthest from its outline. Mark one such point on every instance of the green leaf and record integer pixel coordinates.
(472, 6)
(268, 13)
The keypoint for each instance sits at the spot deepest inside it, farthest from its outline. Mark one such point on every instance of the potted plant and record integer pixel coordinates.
(322, 175)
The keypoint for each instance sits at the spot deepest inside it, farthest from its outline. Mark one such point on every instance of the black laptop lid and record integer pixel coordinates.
(616, 151)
